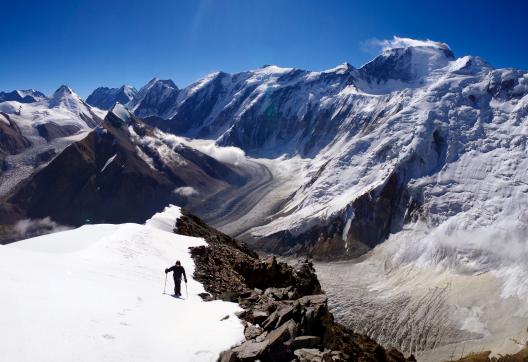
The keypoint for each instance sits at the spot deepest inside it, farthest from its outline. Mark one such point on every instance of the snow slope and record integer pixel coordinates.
(95, 294)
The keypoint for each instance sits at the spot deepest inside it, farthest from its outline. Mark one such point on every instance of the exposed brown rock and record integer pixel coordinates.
(305, 342)
(284, 303)
(51, 130)
(11, 139)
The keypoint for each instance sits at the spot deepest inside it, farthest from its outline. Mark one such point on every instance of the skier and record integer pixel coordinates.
(177, 272)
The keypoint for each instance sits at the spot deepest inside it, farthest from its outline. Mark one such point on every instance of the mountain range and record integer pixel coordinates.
(417, 158)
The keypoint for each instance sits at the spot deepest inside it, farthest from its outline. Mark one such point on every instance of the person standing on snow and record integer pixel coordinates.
(177, 272)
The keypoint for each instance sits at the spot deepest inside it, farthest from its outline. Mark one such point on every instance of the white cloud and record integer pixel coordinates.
(32, 227)
(399, 42)
(186, 191)
(231, 155)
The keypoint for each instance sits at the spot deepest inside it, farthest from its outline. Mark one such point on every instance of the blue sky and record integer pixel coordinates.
(90, 43)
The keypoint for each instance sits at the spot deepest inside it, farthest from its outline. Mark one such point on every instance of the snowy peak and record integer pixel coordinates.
(470, 65)
(156, 98)
(128, 90)
(62, 91)
(344, 68)
(105, 98)
(153, 84)
(157, 84)
(65, 97)
(22, 96)
(398, 42)
(406, 60)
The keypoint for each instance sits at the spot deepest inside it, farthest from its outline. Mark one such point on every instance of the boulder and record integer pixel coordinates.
(251, 331)
(284, 333)
(261, 337)
(271, 321)
(305, 342)
(259, 316)
(284, 314)
(277, 293)
(275, 319)
(278, 337)
(251, 350)
(312, 300)
(312, 355)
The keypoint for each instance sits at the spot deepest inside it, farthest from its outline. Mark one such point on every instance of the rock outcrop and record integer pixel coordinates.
(285, 312)
(11, 139)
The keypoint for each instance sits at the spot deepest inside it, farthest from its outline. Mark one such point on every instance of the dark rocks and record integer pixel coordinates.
(312, 300)
(50, 131)
(312, 355)
(305, 342)
(252, 331)
(44, 156)
(11, 139)
(278, 339)
(282, 334)
(279, 293)
(285, 313)
(259, 316)
(250, 350)
(229, 270)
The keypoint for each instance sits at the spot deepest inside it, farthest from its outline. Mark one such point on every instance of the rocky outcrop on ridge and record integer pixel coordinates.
(285, 312)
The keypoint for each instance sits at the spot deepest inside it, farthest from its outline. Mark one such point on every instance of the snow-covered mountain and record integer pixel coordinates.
(100, 288)
(122, 170)
(380, 144)
(106, 98)
(156, 98)
(418, 155)
(33, 132)
(22, 96)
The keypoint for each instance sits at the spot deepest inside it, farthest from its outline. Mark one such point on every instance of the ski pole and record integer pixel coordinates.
(165, 286)
(186, 291)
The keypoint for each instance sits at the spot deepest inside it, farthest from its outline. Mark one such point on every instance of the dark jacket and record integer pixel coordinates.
(177, 271)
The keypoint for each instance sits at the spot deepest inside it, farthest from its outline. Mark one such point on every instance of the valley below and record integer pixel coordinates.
(434, 314)
(237, 210)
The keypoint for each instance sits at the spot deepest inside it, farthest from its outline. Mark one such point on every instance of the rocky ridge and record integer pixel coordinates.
(285, 312)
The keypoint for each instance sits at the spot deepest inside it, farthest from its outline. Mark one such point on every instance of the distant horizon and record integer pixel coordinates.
(93, 43)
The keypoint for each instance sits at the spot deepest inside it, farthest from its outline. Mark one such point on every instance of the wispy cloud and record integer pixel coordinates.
(375, 45)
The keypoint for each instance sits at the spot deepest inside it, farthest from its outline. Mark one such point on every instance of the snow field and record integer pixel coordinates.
(95, 294)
